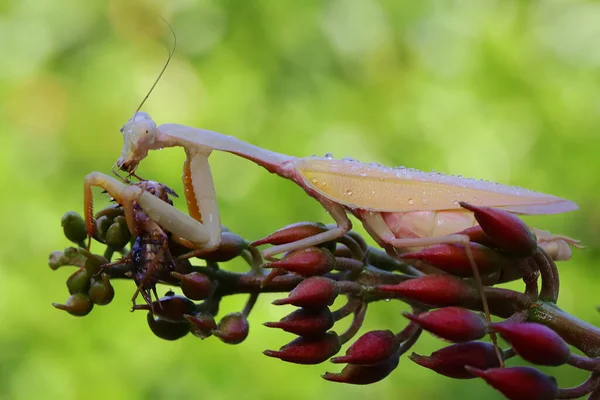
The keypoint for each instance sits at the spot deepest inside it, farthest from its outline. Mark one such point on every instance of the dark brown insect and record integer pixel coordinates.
(150, 258)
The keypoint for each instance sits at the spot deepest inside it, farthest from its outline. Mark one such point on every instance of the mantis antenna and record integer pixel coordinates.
(162, 71)
(115, 169)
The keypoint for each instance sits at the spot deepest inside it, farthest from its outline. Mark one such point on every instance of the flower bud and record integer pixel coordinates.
(505, 230)
(233, 328)
(101, 291)
(451, 323)
(202, 324)
(74, 227)
(434, 290)
(171, 308)
(102, 225)
(195, 286)
(371, 348)
(165, 329)
(79, 281)
(305, 322)
(451, 361)
(117, 235)
(477, 235)
(315, 293)
(292, 233)
(230, 247)
(519, 383)
(77, 304)
(452, 258)
(534, 342)
(306, 262)
(364, 374)
(305, 350)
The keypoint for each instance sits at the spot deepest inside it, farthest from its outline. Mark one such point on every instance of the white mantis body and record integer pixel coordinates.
(398, 207)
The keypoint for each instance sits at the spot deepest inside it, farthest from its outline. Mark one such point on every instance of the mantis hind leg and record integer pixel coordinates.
(374, 223)
(343, 225)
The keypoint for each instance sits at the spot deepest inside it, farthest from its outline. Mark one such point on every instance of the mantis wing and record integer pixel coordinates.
(375, 188)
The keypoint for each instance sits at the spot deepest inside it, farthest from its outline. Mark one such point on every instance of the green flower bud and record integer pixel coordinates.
(101, 291)
(79, 281)
(74, 227)
(77, 304)
(117, 235)
(102, 225)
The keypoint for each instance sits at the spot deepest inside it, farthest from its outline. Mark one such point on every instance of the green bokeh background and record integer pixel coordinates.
(497, 89)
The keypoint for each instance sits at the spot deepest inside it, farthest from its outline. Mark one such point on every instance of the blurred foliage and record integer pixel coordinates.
(504, 90)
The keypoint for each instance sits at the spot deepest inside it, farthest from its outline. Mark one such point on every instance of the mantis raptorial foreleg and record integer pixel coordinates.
(203, 235)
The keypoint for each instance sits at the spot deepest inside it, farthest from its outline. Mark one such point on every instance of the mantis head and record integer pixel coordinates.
(139, 136)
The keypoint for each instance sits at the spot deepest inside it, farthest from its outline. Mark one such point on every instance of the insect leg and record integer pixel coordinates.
(343, 225)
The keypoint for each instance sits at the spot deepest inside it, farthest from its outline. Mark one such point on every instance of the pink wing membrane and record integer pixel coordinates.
(377, 188)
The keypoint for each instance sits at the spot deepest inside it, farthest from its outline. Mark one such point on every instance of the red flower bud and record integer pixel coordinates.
(202, 324)
(233, 328)
(292, 233)
(373, 347)
(165, 329)
(364, 374)
(195, 286)
(477, 235)
(306, 262)
(434, 290)
(452, 258)
(308, 350)
(451, 361)
(305, 322)
(505, 230)
(451, 323)
(519, 383)
(536, 343)
(230, 247)
(316, 293)
(170, 308)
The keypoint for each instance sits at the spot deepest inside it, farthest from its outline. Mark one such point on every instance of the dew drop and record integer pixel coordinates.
(329, 156)
(411, 201)
(373, 192)
(387, 300)
(323, 183)
(314, 180)
(348, 192)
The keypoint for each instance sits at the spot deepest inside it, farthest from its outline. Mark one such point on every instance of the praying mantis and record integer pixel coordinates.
(400, 208)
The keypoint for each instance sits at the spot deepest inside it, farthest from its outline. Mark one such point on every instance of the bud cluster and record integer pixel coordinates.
(437, 282)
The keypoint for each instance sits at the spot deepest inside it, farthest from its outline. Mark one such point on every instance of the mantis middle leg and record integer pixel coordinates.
(343, 226)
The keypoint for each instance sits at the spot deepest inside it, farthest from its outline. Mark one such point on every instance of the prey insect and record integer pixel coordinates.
(150, 257)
